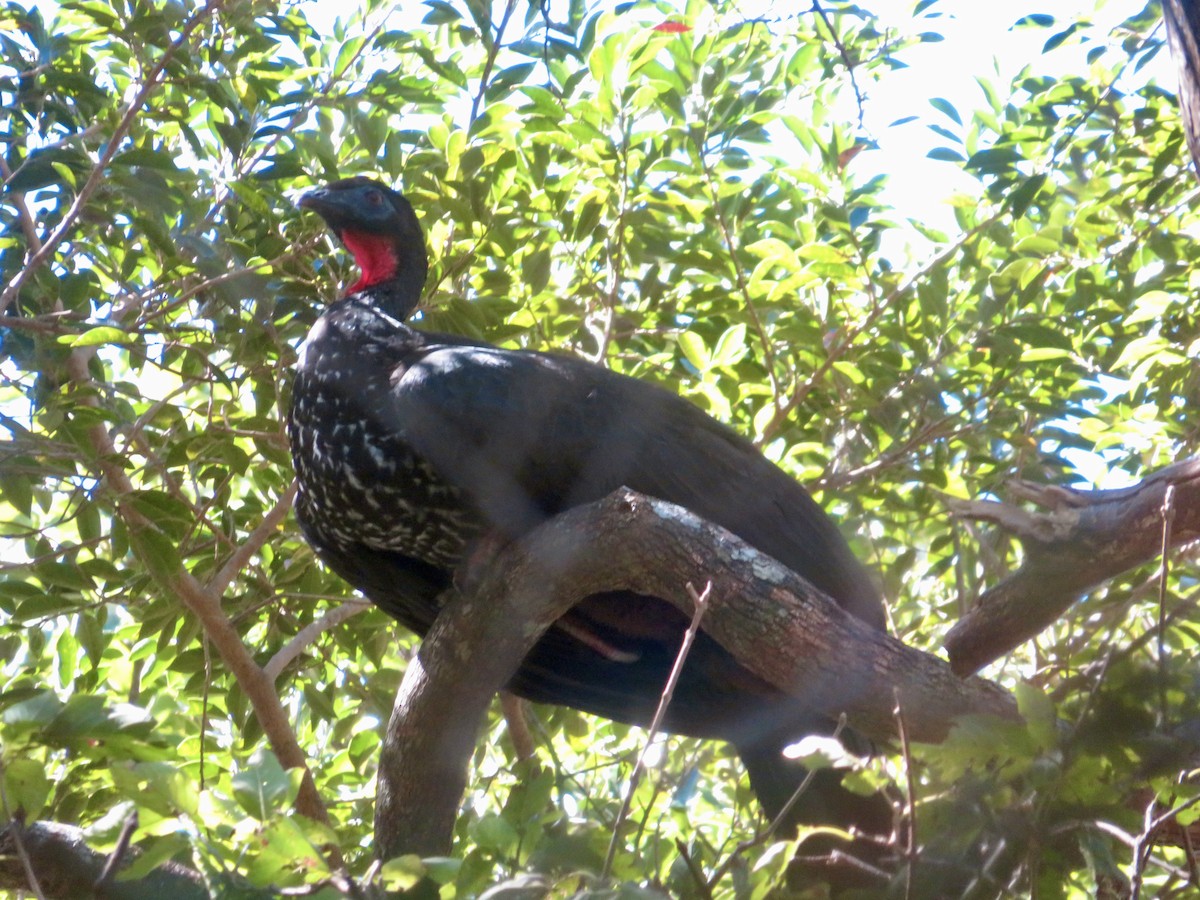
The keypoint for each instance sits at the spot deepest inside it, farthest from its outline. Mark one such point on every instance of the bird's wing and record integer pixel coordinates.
(527, 435)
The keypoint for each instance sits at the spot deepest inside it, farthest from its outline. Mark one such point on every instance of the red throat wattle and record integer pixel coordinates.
(375, 255)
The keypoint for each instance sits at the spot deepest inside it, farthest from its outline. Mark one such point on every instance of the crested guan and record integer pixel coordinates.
(409, 446)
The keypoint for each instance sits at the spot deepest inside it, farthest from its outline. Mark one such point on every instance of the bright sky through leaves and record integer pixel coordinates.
(979, 42)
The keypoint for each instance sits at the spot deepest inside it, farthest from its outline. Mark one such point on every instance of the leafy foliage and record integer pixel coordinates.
(679, 203)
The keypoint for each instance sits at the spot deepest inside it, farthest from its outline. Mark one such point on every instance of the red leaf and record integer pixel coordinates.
(672, 27)
(849, 153)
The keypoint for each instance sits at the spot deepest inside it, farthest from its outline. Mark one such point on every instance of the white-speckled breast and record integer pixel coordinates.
(360, 484)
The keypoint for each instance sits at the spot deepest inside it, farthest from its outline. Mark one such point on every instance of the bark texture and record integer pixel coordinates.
(1182, 18)
(775, 623)
(66, 868)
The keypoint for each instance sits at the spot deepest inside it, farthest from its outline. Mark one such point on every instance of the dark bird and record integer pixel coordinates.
(409, 446)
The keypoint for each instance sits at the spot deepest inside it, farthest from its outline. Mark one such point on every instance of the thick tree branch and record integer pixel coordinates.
(1183, 36)
(1076, 542)
(775, 623)
(68, 869)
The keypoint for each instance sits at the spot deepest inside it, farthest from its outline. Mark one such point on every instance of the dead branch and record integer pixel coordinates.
(307, 635)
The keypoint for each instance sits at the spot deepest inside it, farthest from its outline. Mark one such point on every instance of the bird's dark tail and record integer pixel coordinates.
(775, 779)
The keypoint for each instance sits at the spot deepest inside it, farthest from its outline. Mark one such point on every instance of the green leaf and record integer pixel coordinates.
(442, 869)
(946, 155)
(402, 872)
(65, 174)
(1044, 243)
(1150, 348)
(37, 711)
(283, 847)
(1037, 709)
(850, 370)
(26, 787)
(262, 788)
(946, 108)
(731, 347)
(1060, 38)
(155, 852)
(1041, 354)
(1023, 195)
(494, 833)
(1150, 307)
(95, 337)
(441, 13)
(695, 351)
(158, 553)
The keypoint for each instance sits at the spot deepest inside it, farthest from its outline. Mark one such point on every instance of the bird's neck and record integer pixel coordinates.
(393, 275)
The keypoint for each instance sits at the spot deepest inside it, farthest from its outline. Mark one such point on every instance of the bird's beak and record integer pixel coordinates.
(335, 207)
(316, 199)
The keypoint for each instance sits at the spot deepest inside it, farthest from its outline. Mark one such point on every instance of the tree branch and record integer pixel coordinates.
(310, 632)
(776, 625)
(204, 604)
(254, 542)
(1079, 540)
(67, 868)
(1183, 37)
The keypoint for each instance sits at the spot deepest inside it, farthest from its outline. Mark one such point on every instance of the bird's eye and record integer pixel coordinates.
(374, 198)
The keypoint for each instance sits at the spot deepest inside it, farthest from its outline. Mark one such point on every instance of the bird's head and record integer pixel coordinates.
(379, 227)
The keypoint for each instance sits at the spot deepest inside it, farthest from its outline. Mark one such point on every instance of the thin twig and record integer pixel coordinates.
(493, 50)
(809, 775)
(616, 249)
(1168, 519)
(309, 633)
(513, 708)
(739, 274)
(694, 870)
(1189, 854)
(1141, 852)
(846, 61)
(204, 707)
(16, 827)
(910, 790)
(253, 543)
(1144, 847)
(28, 225)
(118, 854)
(700, 604)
